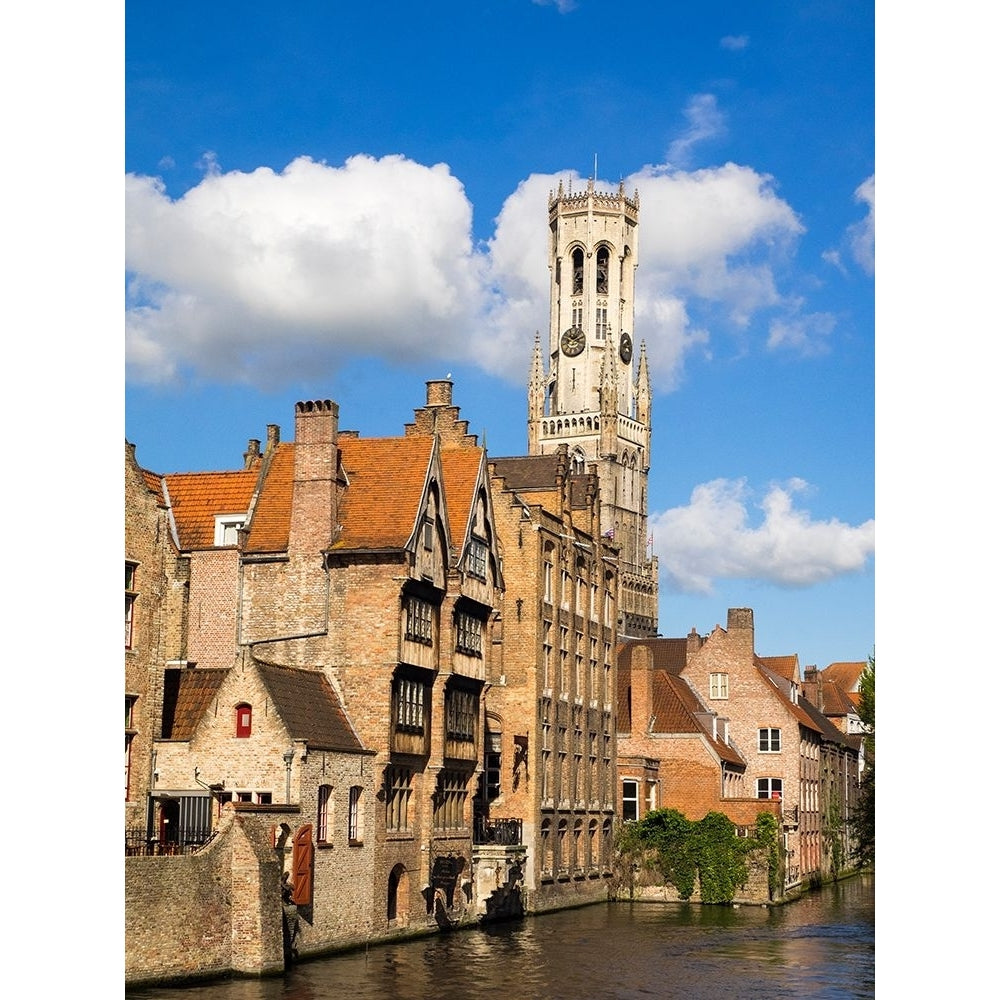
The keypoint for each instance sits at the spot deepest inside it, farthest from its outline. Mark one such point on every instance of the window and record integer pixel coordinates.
(355, 831)
(461, 709)
(244, 719)
(577, 271)
(419, 620)
(468, 634)
(130, 700)
(630, 800)
(478, 556)
(718, 686)
(449, 801)
(227, 528)
(428, 534)
(547, 578)
(601, 320)
(409, 705)
(398, 782)
(769, 740)
(130, 596)
(769, 788)
(492, 764)
(323, 809)
(602, 271)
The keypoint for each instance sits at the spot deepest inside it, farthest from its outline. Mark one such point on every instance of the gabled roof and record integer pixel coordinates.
(386, 481)
(796, 710)
(154, 483)
(783, 666)
(460, 468)
(310, 708)
(197, 497)
(272, 515)
(846, 674)
(187, 693)
(820, 722)
(528, 472)
(667, 654)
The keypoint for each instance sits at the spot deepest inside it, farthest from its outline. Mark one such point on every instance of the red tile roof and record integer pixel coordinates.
(783, 666)
(187, 693)
(460, 468)
(846, 674)
(386, 479)
(197, 497)
(272, 516)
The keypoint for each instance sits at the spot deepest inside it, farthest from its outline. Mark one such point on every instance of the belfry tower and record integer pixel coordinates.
(585, 388)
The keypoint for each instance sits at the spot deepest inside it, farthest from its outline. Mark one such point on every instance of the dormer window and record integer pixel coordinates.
(227, 527)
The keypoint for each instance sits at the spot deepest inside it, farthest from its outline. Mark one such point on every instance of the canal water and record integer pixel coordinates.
(821, 946)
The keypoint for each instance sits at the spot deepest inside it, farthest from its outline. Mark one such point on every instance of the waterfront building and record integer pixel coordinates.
(550, 708)
(751, 711)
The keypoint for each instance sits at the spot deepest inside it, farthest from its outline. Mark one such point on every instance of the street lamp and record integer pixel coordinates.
(287, 758)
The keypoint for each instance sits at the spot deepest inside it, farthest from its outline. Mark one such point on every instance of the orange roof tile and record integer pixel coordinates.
(154, 483)
(783, 666)
(386, 479)
(846, 674)
(187, 694)
(272, 516)
(197, 497)
(460, 468)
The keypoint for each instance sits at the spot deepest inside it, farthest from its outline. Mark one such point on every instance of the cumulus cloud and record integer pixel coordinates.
(714, 537)
(250, 276)
(734, 43)
(266, 276)
(705, 121)
(806, 334)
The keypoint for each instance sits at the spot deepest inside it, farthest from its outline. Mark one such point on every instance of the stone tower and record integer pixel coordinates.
(588, 390)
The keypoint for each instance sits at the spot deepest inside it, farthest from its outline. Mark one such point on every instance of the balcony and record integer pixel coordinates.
(504, 832)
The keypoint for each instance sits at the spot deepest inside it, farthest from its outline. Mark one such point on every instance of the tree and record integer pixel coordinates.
(863, 821)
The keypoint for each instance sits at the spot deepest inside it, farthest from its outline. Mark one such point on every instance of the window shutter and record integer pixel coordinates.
(302, 866)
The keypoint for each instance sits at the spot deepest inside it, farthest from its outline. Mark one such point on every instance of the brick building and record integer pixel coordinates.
(550, 708)
(761, 744)
(357, 576)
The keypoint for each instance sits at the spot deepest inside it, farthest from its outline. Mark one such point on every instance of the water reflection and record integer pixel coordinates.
(822, 946)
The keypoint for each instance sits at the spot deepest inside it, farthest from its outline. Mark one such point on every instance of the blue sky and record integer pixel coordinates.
(335, 202)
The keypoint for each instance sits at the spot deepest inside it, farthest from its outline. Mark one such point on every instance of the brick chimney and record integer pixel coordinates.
(642, 688)
(315, 497)
(251, 457)
(739, 625)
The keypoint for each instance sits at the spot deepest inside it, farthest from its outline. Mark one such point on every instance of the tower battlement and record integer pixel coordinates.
(568, 201)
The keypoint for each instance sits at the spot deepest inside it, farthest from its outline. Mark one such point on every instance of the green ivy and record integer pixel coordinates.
(682, 851)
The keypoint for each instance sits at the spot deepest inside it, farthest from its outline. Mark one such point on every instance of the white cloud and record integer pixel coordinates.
(807, 334)
(713, 538)
(705, 121)
(266, 276)
(734, 42)
(253, 276)
(563, 6)
(862, 234)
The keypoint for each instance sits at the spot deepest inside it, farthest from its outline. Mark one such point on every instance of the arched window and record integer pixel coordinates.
(397, 896)
(577, 271)
(602, 271)
(244, 719)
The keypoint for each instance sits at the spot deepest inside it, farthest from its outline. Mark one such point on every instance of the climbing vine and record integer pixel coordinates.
(683, 851)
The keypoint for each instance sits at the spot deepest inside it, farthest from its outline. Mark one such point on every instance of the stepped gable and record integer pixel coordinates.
(310, 708)
(197, 497)
(272, 514)
(386, 479)
(187, 694)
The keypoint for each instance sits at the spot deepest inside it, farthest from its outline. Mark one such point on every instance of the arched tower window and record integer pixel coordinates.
(577, 271)
(602, 271)
(576, 466)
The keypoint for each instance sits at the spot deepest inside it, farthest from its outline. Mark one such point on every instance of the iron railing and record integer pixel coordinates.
(139, 843)
(503, 831)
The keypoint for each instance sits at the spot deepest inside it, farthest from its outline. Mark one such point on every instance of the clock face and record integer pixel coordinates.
(573, 341)
(625, 348)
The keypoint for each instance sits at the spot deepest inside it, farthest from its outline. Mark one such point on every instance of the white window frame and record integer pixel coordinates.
(226, 527)
(772, 785)
(630, 785)
(718, 686)
(769, 740)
